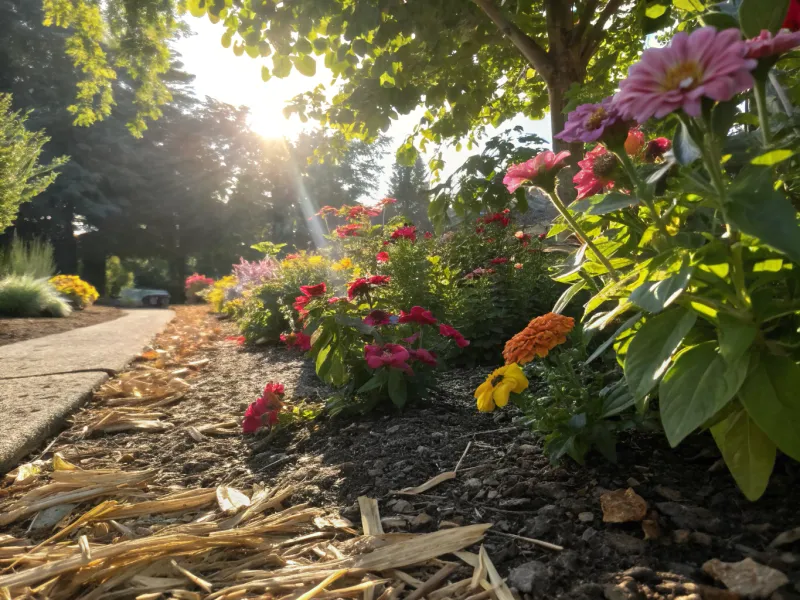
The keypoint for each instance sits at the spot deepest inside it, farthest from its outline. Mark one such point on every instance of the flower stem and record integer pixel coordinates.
(760, 92)
(643, 192)
(576, 228)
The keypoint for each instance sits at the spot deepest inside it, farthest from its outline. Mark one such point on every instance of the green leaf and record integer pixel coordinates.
(655, 11)
(773, 157)
(760, 211)
(305, 64)
(568, 295)
(696, 387)
(649, 352)
(720, 20)
(616, 399)
(386, 80)
(683, 146)
(398, 391)
(265, 74)
(227, 37)
(755, 15)
(322, 364)
(722, 118)
(197, 8)
(735, 338)
(622, 329)
(655, 296)
(748, 452)
(770, 395)
(609, 203)
(281, 66)
(373, 383)
(688, 5)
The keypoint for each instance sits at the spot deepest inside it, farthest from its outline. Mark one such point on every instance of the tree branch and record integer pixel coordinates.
(533, 52)
(598, 32)
(585, 19)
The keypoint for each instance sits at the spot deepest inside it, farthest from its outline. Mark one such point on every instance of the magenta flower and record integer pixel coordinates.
(706, 63)
(417, 314)
(656, 149)
(596, 174)
(382, 257)
(408, 232)
(544, 162)
(379, 280)
(377, 317)
(313, 290)
(766, 45)
(388, 355)
(424, 356)
(451, 332)
(591, 122)
(265, 410)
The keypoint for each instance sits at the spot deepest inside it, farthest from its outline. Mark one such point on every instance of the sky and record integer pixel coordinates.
(237, 80)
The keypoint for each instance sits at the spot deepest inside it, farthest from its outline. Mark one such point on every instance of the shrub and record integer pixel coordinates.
(698, 248)
(251, 274)
(79, 293)
(222, 292)
(259, 314)
(117, 276)
(195, 284)
(33, 258)
(25, 296)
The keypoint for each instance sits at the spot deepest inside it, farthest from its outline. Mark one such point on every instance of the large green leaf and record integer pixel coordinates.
(758, 210)
(649, 352)
(755, 15)
(305, 63)
(696, 387)
(771, 395)
(655, 296)
(568, 295)
(398, 391)
(281, 66)
(748, 452)
(601, 206)
(735, 337)
(683, 146)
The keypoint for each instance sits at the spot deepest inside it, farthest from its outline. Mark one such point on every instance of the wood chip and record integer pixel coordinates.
(431, 483)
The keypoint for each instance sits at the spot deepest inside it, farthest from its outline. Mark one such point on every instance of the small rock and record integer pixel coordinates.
(374, 472)
(698, 537)
(588, 534)
(623, 506)
(533, 575)
(393, 523)
(625, 544)
(50, 517)
(668, 493)
(747, 577)
(641, 574)
(527, 449)
(515, 503)
(347, 468)
(550, 510)
(787, 537)
(687, 516)
(626, 590)
(491, 481)
(585, 517)
(437, 435)
(568, 561)
(423, 450)
(127, 458)
(681, 536)
(651, 529)
(539, 526)
(491, 495)
(352, 512)
(379, 464)
(421, 519)
(393, 429)
(447, 525)
(473, 483)
(403, 506)
(550, 490)
(633, 482)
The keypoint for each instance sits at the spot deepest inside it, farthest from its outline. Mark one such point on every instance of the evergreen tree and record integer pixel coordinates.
(409, 186)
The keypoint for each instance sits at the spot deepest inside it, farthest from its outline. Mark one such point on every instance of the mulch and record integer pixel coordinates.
(695, 511)
(19, 330)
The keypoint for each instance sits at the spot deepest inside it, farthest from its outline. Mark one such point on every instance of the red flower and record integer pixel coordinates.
(596, 174)
(349, 230)
(411, 339)
(327, 210)
(377, 317)
(542, 236)
(417, 314)
(387, 201)
(357, 287)
(379, 280)
(300, 302)
(424, 356)
(451, 332)
(388, 355)
(382, 257)
(314, 290)
(428, 235)
(299, 341)
(522, 236)
(273, 388)
(408, 232)
(265, 410)
(386, 242)
(656, 149)
(543, 163)
(335, 299)
(357, 212)
(500, 260)
(239, 339)
(518, 265)
(292, 256)
(792, 20)
(480, 229)
(500, 217)
(634, 142)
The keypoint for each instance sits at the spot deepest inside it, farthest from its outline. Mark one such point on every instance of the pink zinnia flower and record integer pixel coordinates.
(592, 122)
(349, 230)
(265, 410)
(417, 314)
(411, 339)
(792, 20)
(382, 257)
(428, 235)
(706, 63)
(500, 217)
(408, 232)
(357, 212)
(656, 149)
(388, 355)
(765, 45)
(300, 304)
(596, 172)
(451, 332)
(379, 280)
(387, 201)
(500, 260)
(357, 287)
(424, 356)
(314, 290)
(334, 299)
(327, 210)
(544, 162)
(377, 317)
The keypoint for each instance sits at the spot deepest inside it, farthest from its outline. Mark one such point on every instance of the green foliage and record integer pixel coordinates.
(27, 296)
(409, 186)
(117, 276)
(21, 175)
(577, 406)
(33, 258)
(259, 315)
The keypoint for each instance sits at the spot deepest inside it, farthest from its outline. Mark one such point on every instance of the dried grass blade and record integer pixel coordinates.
(431, 483)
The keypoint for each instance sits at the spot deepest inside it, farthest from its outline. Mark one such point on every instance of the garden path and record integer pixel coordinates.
(34, 400)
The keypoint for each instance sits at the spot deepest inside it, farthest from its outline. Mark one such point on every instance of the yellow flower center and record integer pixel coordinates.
(683, 76)
(596, 119)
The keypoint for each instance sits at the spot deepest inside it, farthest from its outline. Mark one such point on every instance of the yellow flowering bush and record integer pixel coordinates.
(80, 293)
(222, 293)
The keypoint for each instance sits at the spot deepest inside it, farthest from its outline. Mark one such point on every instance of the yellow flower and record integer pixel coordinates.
(315, 260)
(499, 385)
(343, 264)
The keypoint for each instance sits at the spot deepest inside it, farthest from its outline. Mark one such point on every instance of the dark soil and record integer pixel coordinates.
(18, 330)
(504, 479)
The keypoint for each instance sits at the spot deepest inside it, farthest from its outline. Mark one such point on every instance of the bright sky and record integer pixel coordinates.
(237, 80)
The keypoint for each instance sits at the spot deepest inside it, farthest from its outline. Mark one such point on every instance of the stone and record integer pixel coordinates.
(640, 573)
(393, 429)
(550, 511)
(550, 490)
(651, 529)
(746, 577)
(681, 536)
(625, 544)
(668, 493)
(589, 533)
(530, 577)
(527, 449)
(403, 506)
(492, 495)
(633, 482)
(687, 516)
(539, 526)
(623, 506)
(698, 537)
(473, 483)
(626, 590)
(50, 517)
(585, 517)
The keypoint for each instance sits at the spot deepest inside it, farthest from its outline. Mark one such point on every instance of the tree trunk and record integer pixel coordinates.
(557, 91)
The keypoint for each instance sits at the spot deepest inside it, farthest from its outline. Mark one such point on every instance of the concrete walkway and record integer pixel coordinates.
(34, 408)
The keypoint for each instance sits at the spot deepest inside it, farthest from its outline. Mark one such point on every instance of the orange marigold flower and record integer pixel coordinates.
(537, 339)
